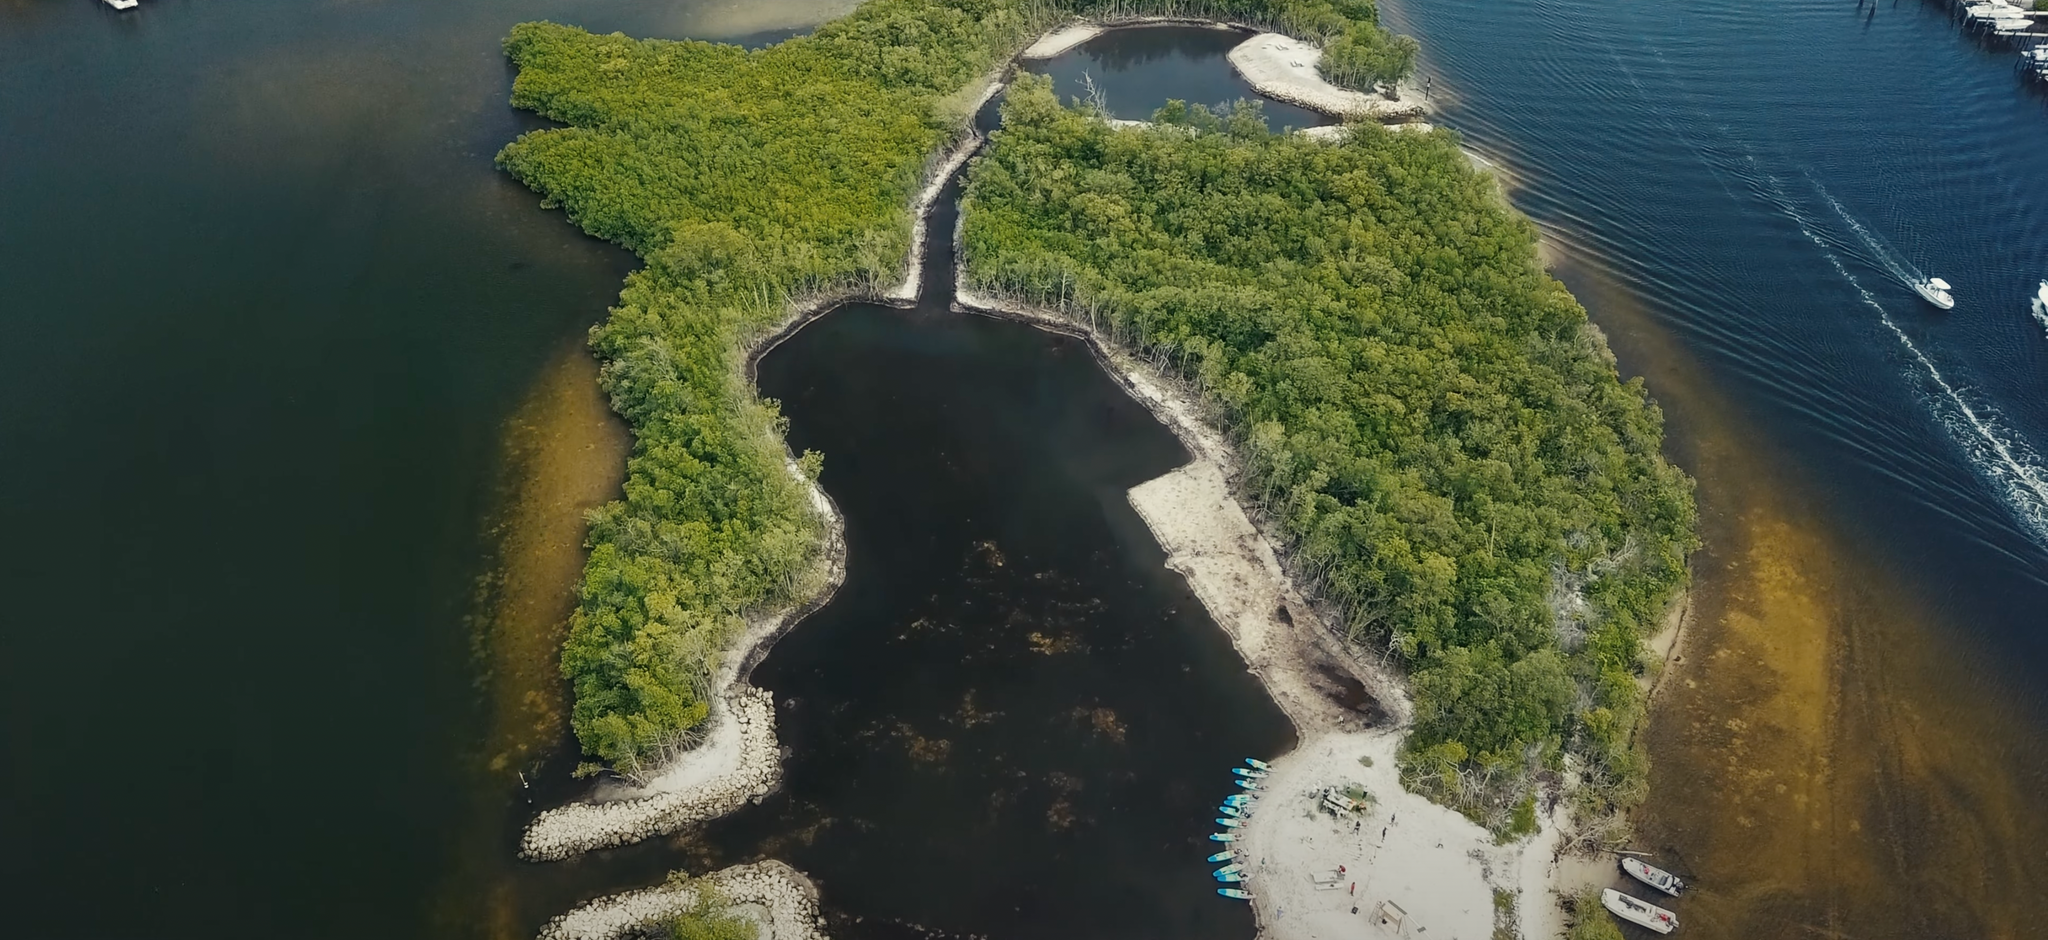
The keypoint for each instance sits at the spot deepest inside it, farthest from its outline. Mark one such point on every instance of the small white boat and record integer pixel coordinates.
(1223, 837)
(1652, 875)
(1223, 856)
(124, 4)
(1234, 893)
(1229, 823)
(1639, 912)
(1258, 764)
(1935, 291)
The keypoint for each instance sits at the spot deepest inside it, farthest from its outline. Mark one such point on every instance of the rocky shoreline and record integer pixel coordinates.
(777, 898)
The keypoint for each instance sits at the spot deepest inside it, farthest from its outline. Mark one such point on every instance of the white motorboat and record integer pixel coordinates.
(1652, 875)
(124, 4)
(1639, 912)
(1935, 291)
(2041, 297)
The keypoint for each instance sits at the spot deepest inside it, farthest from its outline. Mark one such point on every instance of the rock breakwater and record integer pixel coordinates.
(778, 898)
(738, 762)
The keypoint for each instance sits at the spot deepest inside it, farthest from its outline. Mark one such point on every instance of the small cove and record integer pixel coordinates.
(1012, 720)
(1134, 71)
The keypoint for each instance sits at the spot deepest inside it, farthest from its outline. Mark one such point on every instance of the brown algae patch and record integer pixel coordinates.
(565, 454)
(1825, 762)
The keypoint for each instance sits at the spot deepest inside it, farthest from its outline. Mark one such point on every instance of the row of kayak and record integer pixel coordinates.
(1237, 810)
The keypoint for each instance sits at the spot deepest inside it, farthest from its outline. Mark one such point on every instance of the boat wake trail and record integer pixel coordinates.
(1879, 255)
(1999, 455)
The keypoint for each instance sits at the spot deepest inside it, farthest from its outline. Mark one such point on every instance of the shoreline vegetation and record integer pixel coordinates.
(747, 182)
(1429, 420)
(764, 188)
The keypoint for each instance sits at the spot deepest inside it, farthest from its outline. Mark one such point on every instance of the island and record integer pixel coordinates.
(1414, 453)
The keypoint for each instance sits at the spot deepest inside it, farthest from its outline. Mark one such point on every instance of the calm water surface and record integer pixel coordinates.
(1134, 72)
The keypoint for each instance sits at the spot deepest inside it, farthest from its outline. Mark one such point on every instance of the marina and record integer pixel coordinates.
(2003, 23)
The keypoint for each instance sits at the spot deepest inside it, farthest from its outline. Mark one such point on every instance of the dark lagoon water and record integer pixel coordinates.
(1134, 72)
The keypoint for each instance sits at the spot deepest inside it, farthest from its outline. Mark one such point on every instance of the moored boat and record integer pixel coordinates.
(1228, 822)
(1247, 772)
(1257, 763)
(1233, 812)
(1652, 875)
(1241, 799)
(1237, 893)
(1249, 785)
(1642, 913)
(1232, 878)
(1223, 856)
(1935, 291)
(1223, 837)
(1229, 870)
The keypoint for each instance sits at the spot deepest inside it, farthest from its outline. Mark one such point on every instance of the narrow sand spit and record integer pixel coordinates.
(777, 898)
(1284, 68)
(1060, 40)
